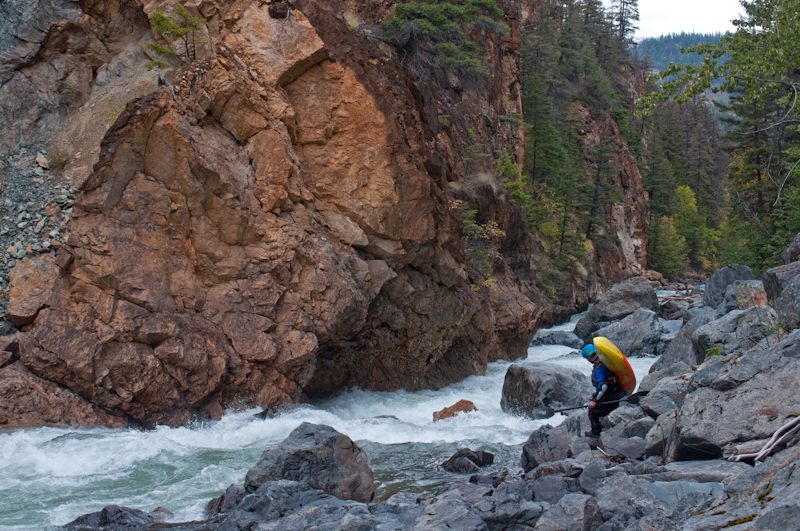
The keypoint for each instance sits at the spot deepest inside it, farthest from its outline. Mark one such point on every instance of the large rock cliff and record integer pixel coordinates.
(279, 222)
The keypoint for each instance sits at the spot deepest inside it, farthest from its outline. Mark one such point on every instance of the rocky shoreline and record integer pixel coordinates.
(684, 458)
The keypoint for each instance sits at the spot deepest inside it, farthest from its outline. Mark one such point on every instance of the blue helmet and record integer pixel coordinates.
(588, 350)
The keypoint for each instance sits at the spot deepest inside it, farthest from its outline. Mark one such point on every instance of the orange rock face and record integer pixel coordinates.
(462, 406)
(278, 228)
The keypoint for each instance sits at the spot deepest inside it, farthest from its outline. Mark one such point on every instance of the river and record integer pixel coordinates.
(50, 476)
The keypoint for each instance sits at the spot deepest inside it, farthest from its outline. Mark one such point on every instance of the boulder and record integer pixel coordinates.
(536, 385)
(550, 443)
(320, 456)
(624, 447)
(668, 394)
(763, 497)
(679, 356)
(465, 461)
(552, 488)
(462, 406)
(717, 285)
(659, 437)
(791, 252)
(787, 305)
(574, 512)
(556, 337)
(637, 335)
(620, 301)
(737, 398)
(777, 278)
(743, 294)
(113, 517)
(739, 330)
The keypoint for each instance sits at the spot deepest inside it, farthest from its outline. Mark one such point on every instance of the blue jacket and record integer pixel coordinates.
(603, 379)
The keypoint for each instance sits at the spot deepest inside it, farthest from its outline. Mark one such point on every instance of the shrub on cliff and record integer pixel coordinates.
(434, 32)
(183, 30)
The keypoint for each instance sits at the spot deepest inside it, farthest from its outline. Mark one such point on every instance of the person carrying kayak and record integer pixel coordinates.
(607, 391)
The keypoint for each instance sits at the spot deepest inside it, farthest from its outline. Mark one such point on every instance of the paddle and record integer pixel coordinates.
(547, 412)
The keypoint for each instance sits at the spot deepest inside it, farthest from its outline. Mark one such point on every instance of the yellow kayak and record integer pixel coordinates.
(615, 360)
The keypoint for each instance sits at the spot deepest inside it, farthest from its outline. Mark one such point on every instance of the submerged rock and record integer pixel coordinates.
(320, 456)
(462, 406)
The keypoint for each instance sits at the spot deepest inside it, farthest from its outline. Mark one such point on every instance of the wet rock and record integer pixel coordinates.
(637, 428)
(550, 443)
(465, 461)
(557, 337)
(462, 406)
(535, 385)
(617, 303)
(112, 517)
(227, 502)
(320, 456)
(717, 285)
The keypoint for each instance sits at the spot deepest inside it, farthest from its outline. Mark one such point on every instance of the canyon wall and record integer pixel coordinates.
(278, 220)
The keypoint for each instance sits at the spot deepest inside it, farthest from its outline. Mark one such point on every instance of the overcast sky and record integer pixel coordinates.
(657, 17)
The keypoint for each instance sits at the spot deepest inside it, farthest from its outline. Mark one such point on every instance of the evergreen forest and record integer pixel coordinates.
(667, 48)
(579, 57)
(721, 175)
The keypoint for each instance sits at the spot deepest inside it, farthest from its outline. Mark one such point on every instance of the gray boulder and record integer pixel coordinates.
(763, 497)
(777, 278)
(574, 512)
(320, 456)
(668, 394)
(638, 334)
(791, 253)
(446, 511)
(659, 437)
(112, 517)
(679, 356)
(787, 305)
(465, 461)
(536, 385)
(739, 330)
(620, 301)
(717, 285)
(624, 447)
(743, 294)
(738, 398)
(550, 443)
(556, 337)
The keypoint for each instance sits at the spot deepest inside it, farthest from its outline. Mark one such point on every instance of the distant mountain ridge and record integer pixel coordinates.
(666, 48)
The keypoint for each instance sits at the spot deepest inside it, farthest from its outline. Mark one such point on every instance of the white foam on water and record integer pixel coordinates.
(50, 476)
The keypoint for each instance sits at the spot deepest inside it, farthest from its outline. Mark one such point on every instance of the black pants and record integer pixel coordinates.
(603, 408)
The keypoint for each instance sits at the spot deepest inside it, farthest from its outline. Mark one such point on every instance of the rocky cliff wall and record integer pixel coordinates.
(279, 222)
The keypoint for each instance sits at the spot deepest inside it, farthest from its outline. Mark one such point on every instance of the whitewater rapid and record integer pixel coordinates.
(50, 476)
